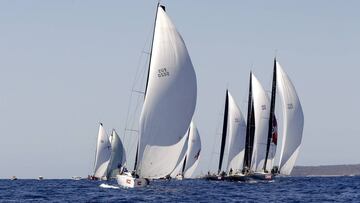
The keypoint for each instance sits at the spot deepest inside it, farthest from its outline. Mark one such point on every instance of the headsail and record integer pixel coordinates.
(169, 103)
(293, 122)
(118, 156)
(103, 151)
(261, 110)
(193, 152)
(236, 132)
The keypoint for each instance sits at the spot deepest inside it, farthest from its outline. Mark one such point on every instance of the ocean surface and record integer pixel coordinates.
(282, 189)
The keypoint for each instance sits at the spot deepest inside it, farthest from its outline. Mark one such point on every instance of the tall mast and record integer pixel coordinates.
(136, 156)
(249, 128)
(148, 74)
(224, 131)
(152, 45)
(272, 115)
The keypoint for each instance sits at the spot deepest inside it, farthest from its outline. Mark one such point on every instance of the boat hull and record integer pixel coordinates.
(262, 176)
(214, 177)
(237, 178)
(179, 177)
(131, 182)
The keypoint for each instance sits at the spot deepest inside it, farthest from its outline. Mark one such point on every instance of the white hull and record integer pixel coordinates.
(262, 176)
(131, 182)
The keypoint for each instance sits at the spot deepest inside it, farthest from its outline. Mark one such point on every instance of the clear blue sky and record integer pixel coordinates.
(66, 65)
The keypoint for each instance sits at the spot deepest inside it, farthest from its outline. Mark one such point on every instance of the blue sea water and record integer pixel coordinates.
(282, 189)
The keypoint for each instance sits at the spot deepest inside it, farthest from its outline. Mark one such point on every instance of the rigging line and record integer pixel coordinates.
(127, 121)
(217, 133)
(138, 91)
(135, 79)
(131, 130)
(131, 124)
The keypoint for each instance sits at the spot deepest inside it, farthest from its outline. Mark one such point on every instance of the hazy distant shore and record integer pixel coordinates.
(327, 170)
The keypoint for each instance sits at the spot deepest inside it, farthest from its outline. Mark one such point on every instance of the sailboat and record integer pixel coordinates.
(117, 158)
(169, 105)
(259, 120)
(187, 166)
(236, 141)
(233, 136)
(293, 120)
(102, 155)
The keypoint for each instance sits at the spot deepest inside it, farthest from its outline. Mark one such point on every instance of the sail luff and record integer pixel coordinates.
(271, 116)
(151, 50)
(224, 131)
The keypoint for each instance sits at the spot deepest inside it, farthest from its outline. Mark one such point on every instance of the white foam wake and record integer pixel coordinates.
(103, 185)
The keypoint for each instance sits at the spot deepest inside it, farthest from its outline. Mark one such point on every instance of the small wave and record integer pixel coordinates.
(103, 185)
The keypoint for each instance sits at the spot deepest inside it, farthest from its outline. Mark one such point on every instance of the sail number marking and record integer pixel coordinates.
(162, 72)
(290, 106)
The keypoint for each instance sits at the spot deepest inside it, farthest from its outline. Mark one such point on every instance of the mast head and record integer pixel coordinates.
(163, 7)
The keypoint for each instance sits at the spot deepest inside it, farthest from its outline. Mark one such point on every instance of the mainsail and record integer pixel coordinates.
(272, 130)
(293, 122)
(261, 111)
(102, 155)
(272, 146)
(169, 103)
(118, 156)
(224, 131)
(250, 129)
(236, 136)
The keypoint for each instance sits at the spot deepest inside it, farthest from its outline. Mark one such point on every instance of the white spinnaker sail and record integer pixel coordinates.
(103, 151)
(236, 136)
(193, 152)
(261, 112)
(169, 103)
(118, 156)
(293, 121)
